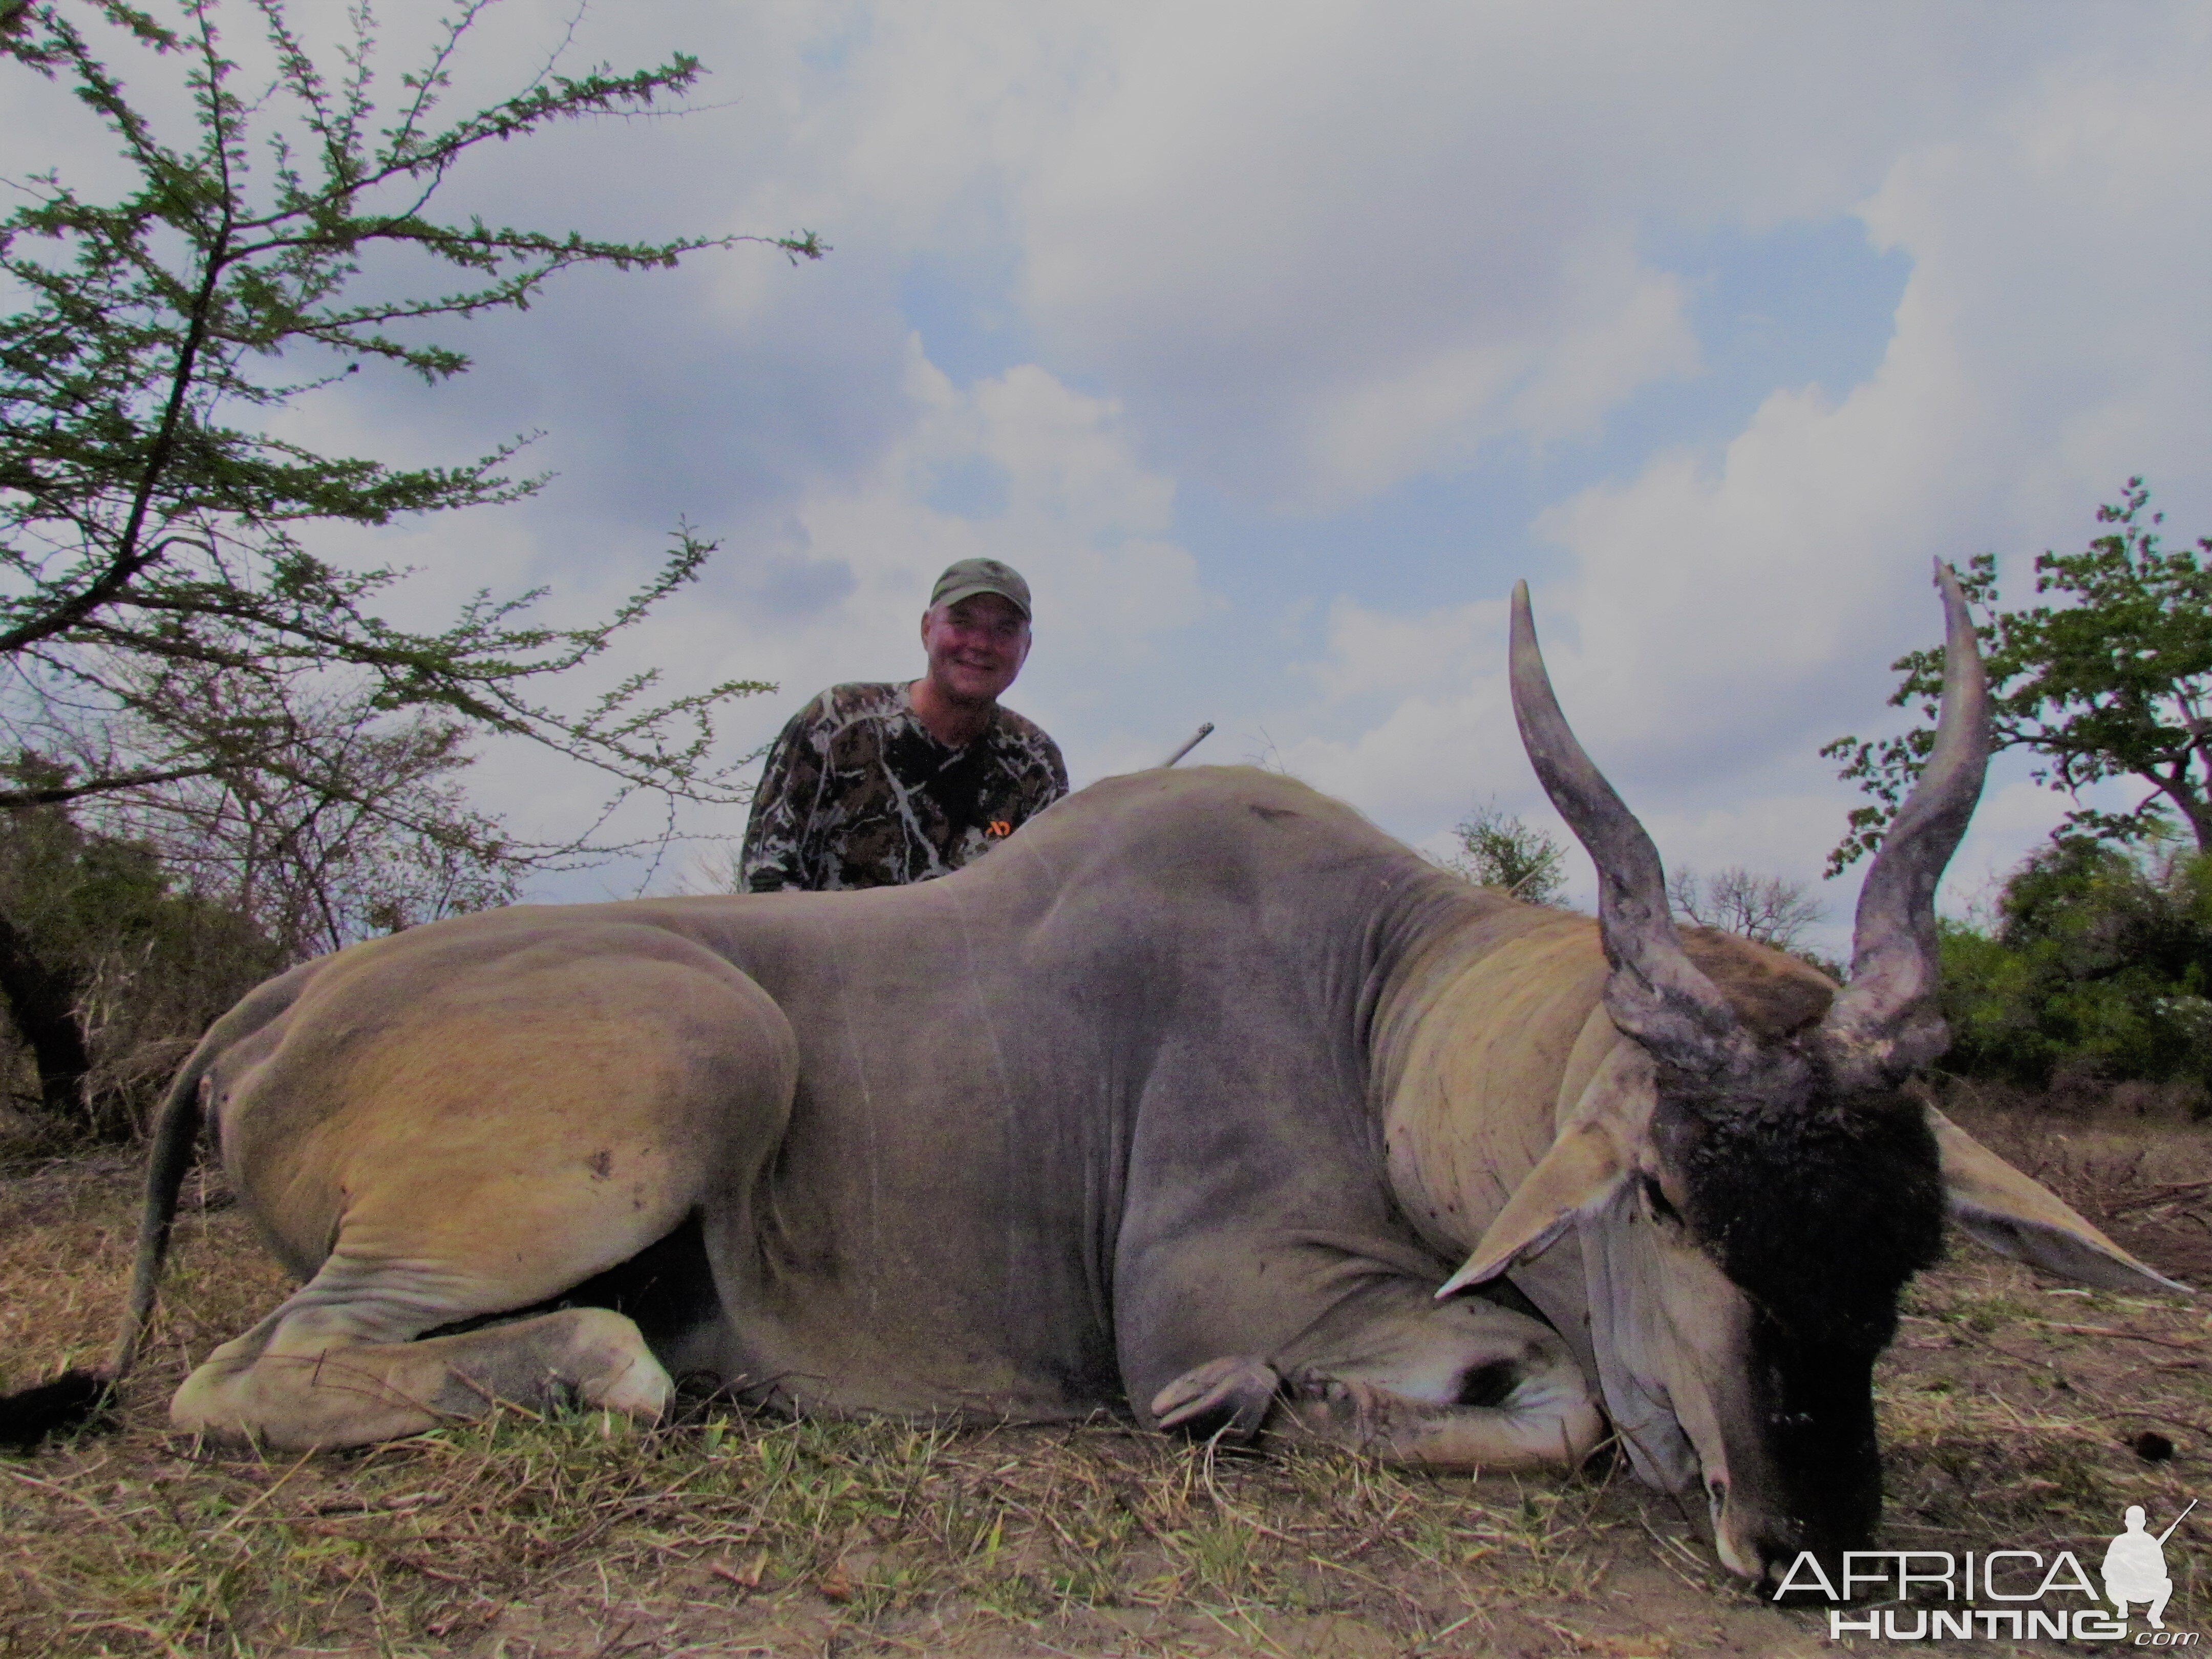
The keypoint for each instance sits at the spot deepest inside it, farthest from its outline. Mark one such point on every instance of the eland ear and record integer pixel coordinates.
(1580, 1172)
(1586, 1165)
(2008, 1213)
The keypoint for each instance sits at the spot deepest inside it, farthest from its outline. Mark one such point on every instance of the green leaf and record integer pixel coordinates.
(2110, 682)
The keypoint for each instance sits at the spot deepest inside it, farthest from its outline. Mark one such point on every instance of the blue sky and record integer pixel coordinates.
(1273, 342)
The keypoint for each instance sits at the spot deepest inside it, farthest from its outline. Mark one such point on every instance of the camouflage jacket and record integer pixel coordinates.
(858, 794)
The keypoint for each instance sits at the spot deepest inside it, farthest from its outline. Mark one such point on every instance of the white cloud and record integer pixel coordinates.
(1327, 247)
(1725, 613)
(1307, 254)
(1314, 260)
(1618, 325)
(840, 596)
(1374, 651)
(2026, 377)
(1081, 519)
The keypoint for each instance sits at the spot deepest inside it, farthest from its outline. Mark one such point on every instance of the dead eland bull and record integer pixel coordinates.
(1188, 1097)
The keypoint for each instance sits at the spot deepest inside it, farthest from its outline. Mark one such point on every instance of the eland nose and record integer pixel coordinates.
(1739, 1555)
(1749, 1546)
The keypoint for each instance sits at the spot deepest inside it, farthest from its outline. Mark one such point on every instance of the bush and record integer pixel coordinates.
(1519, 859)
(2099, 965)
(109, 971)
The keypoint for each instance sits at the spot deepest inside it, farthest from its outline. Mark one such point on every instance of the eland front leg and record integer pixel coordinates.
(1464, 1384)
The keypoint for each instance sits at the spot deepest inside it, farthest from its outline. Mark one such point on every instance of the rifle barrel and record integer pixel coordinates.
(1196, 738)
(2178, 1520)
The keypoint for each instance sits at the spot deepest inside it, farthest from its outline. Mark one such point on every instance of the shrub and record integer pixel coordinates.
(1497, 849)
(109, 971)
(2099, 964)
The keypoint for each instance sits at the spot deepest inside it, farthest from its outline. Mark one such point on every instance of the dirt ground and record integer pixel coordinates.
(2016, 1412)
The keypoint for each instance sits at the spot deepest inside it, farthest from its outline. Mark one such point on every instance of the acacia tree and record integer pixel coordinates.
(147, 518)
(2112, 684)
(348, 823)
(177, 662)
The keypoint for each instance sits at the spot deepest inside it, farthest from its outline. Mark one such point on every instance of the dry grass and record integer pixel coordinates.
(2007, 1406)
(2010, 1409)
(584, 1536)
(2011, 1403)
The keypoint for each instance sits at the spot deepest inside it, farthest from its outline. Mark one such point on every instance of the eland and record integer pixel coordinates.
(1200, 1100)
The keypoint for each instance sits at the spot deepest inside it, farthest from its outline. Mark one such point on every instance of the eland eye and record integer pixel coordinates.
(1654, 1199)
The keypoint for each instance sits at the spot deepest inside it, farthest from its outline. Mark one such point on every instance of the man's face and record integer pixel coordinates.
(975, 646)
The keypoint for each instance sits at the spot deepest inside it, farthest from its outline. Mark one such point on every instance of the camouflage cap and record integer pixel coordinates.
(970, 577)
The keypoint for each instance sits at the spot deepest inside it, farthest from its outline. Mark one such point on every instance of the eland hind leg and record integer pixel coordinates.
(498, 1143)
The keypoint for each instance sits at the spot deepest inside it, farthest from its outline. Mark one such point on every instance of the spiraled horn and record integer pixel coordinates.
(1656, 994)
(1885, 1021)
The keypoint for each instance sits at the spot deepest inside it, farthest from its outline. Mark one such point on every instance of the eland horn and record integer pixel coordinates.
(1656, 994)
(1885, 1021)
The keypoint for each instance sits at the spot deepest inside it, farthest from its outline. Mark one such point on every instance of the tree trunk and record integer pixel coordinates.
(2197, 809)
(44, 1003)
(2182, 786)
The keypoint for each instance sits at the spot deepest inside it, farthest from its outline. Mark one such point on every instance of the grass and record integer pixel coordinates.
(2009, 1410)
(566, 1533)
(2008, 1407)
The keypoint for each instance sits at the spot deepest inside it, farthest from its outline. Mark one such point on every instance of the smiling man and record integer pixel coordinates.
(874, 785)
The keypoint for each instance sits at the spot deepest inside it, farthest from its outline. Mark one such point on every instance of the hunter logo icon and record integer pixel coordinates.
(2009, 1593)
(2135, 1567)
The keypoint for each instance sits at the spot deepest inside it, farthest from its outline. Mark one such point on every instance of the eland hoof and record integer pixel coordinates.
(1228, 1399)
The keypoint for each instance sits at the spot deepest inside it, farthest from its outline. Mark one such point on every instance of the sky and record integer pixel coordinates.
(1274, 341)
